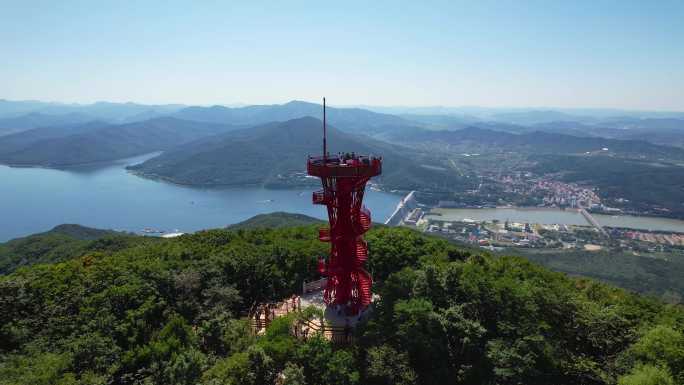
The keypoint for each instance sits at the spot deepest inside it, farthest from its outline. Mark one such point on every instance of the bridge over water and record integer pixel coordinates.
(592, 221)
(404, 207)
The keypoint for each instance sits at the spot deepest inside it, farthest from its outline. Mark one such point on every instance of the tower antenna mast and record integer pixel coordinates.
(325, 146)
(344, 181)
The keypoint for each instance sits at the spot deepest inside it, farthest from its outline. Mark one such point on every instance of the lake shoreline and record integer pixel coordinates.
(271, 186)
(169, 180)
(36, 199)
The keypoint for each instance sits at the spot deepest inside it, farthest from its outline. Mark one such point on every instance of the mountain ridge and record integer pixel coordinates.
(541, 141)
(90, 143)
(349, 119)
(269, 154)
(60, 243)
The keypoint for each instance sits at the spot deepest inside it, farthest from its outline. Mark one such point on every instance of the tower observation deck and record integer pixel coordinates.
(344, 178)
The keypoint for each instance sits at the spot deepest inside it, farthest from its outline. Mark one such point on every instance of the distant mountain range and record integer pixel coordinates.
(266, 144)
(474, 139)
(37, 119)
(21, 116)
(112, 112)
(63, 146)
(525, 113)
(16, 116)
(347, 119)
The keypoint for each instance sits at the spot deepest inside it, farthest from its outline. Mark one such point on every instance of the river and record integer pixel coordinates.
(107, 196)
(566, 217)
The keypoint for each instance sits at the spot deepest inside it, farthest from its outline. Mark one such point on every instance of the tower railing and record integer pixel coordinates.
(316, 285)
(320, 197)
(361, 252)
(364, 219)
(359, 166)
(307, 328)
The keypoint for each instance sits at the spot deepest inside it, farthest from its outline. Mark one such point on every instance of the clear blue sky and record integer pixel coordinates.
(620, 54)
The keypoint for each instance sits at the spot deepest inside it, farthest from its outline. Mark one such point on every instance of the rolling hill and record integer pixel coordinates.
(61, 243)
(269, 154)
(36, 119)
(97, 142)
(275, 220)
(486, 140)
(21, 140)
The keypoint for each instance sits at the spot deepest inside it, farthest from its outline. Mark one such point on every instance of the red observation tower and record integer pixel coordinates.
(344, 178)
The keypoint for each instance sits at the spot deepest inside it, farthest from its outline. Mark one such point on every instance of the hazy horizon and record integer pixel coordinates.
(498, 55)
(363, 106)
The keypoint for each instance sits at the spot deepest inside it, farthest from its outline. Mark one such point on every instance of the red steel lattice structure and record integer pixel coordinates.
(344, 178)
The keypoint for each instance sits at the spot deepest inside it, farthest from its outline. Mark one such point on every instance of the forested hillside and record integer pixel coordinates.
(537, 142)
(170, 312)
(273, 154)
(62, 146)
(275, 220)
(60, 243)
(645, 185)
(35, 119)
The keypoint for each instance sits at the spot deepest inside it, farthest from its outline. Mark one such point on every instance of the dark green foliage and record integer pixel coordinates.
(658, 353)
(388, 366)
(168, 311)
(395, 248)
(276, 220)
(641, 273)
(60, 243)
(294, 374)
(647, 375)
(507, 321)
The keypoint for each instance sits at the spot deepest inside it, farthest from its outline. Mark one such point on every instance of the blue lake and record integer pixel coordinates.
(106, 196)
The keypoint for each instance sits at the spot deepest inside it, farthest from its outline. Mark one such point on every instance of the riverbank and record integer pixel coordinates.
(550, 216)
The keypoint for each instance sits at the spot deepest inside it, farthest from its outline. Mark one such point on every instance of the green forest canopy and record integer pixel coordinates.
(170, 311)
